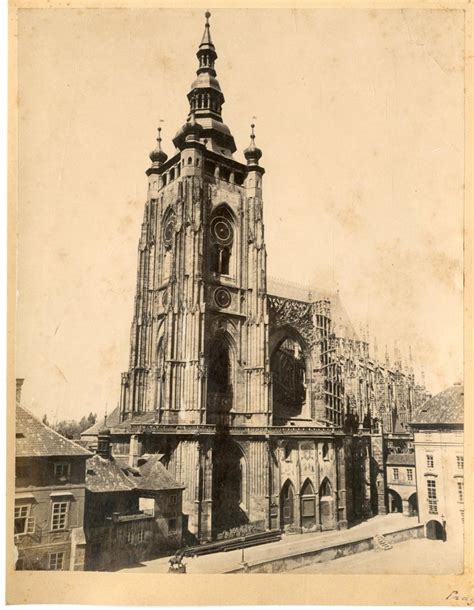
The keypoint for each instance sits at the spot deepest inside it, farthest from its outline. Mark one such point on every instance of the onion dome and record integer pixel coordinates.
(158, 156)
(191, 130)
(252, 153)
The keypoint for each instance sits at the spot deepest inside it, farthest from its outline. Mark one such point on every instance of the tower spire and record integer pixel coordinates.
(206, 37)
(206, 100)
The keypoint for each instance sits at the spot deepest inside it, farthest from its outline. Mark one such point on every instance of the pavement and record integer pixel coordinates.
(415, 556)
(218, 563)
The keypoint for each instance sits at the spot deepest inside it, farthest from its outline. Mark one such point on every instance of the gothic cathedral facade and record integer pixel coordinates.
(244, 391)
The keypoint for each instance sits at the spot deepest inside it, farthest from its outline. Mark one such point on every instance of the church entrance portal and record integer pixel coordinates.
(228, 486)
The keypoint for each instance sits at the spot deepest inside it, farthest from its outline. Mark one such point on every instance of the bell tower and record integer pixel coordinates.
(199, 367)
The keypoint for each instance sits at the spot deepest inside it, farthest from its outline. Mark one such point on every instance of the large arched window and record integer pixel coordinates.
(220, 383)
(222, 241)
(167, 236)
(288, 367)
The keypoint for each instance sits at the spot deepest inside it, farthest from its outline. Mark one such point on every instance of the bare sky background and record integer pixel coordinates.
(360, 119)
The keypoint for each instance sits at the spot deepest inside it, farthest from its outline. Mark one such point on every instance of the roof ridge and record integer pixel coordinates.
(48, 429)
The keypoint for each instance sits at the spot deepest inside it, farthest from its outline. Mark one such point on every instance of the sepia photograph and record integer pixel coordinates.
(238, 290)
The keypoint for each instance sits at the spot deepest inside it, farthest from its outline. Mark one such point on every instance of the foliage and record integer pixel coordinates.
(71, 428)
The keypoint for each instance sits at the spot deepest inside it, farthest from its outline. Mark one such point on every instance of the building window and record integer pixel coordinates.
(460, 491)
(173, 500)
(172, 526)
(21, 471)
(325, 452)
(460, 462)
(129, 536)
(410, 474)
(432, 498)
(429, 460)
(62, 470)
(140, 535)
(22, 514)
(56, 561)
(395, 474)
(59, 516)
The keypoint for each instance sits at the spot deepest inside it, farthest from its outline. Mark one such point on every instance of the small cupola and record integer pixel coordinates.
(252, 153)
(191, 130)
(103, 442)
(158, 155)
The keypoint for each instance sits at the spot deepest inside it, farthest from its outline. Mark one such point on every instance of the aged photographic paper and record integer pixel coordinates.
(239, 284)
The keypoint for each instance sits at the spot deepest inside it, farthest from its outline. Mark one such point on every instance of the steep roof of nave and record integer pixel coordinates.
(342, 324)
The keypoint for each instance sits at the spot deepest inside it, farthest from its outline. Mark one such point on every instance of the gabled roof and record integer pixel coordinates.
(112, 420)
(153, 476)
(447, 407)
(35, 439)
(105, 476)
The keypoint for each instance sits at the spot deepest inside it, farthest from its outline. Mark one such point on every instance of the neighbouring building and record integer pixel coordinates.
(50, 487)
(261, 398)
(438, 439)
(131, 515)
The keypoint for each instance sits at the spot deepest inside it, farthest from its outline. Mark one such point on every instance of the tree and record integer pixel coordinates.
(72, 429)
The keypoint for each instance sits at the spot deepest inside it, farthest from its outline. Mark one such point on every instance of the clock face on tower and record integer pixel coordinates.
(222, 298)
(222, 231)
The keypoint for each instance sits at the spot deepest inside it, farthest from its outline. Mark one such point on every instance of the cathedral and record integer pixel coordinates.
(259, 396)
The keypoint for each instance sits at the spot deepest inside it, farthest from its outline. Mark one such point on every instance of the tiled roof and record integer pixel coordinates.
(112, 420)
(35, 439)
(153, 476)
(405, 459)
(105, 476)
(447, 407)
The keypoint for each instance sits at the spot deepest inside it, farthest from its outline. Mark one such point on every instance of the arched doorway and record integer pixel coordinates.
(326, 505)
(395, 504)
(434, 530)
(287, 505)
(288, 367)
(220, 382)
(229, 486)
(413, 505)
(308, 506)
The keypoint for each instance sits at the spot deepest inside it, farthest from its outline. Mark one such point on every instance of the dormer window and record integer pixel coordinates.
(62, 471)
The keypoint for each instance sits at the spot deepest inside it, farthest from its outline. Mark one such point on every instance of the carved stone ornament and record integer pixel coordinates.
(297, 314)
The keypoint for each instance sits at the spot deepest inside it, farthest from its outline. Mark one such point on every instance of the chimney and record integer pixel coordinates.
(19, 384)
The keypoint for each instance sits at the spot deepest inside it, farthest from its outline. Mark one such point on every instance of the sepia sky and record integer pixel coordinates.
(360, 119)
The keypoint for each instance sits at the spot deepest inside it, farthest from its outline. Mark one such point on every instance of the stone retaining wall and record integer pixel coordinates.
(304, 558)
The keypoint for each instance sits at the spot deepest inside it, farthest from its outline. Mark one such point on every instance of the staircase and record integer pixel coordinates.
(380, 543)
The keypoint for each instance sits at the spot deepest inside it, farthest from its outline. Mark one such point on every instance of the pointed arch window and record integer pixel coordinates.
(222, 241)
(325, 489)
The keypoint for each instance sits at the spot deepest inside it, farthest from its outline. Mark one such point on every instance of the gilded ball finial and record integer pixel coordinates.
(207, 14)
